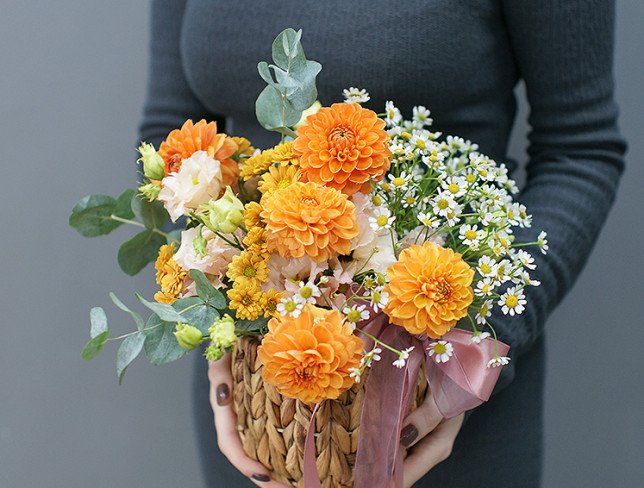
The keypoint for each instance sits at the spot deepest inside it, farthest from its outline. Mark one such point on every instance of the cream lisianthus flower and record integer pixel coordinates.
(214, 263)
(198, 180)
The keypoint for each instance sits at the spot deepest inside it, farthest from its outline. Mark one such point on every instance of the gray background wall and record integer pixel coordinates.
(72, 79)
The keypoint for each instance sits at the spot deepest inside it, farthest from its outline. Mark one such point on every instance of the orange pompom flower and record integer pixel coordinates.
(202, 136)
(429, 289)
(309, 219)
(310, 357)
(343, 146)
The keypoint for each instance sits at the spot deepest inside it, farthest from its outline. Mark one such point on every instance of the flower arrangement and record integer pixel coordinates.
(355, 218)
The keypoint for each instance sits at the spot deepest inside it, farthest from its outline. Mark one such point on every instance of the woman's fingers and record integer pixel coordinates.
(420, 422)
(433, 449)
(228, 440)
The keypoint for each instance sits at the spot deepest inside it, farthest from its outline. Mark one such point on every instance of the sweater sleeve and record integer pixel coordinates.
(564, 52)
(169, 101)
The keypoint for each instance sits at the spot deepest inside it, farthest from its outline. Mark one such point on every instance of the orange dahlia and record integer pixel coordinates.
(429, 289)
(309, 219)
(343, 146)
(202, 136)
(310, 357)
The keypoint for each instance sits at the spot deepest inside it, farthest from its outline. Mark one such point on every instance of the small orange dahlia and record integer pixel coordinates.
(170, 276)
(429, 289)
(310, 357)
(343, 146)
(309, 219)
(202, 136)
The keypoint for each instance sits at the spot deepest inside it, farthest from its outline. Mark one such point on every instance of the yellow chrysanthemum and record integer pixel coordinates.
(170, 276)
(283, 153)
(278, 177)
(244, 147)
(245, 300)
(259, 164)
(429, 289)
(269, 302)
(251, 215)
(256, 243)
(248, 267)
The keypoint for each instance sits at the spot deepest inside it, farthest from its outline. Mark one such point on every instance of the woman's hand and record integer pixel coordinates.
(221, 388)
(432, 437)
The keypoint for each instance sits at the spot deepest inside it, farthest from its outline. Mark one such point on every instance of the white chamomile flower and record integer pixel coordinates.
(512, 213)
(497, 361)
(308, 292)
(290, 307)
(513, 301)
(402, 358)
(456, 185)
(356, 313)
(355, 373)
(355, 95)
(400, 182)
(478, 337)
(382, 219)
(420, 141)
(392, 114)
(370, 357)
(484, 312)
(542, 242)
(471, 236)
(486, 266)
(420, 116)
(502, 272)
(526, 259)
(441, 351)
(379, 299)
(428, 220)
(410, 200)
(452, 216)
(443, 204)
(483, 287)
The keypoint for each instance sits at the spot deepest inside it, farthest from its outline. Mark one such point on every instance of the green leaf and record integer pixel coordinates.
(127, 352)
(143, 248)
(251, 326)
(206, 291)
(98, 321)
(91, 215)
(138, 320)
(95, 345)
(174, 236)
(160, 344)
(153, 214)
(123, 207)
(163, 310)
(273, 112)
(198, 313)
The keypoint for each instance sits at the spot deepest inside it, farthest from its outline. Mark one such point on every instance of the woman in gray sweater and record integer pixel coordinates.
(462, 59)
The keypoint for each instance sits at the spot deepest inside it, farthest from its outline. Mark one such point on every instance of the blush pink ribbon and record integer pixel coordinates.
(462, 383)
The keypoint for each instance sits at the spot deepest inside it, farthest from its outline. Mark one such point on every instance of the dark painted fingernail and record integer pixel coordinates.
(261, 477)
(223, 394)
(408, 435)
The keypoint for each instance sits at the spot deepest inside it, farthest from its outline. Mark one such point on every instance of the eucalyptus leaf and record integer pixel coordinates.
(251, 326)
(206, 291)
(127, 352)
(91, 216)
(123, 206)
(160, 344)
(143, 248)
(163, 310)
(98, 321)
(197, 312)
(95, 345)
(152, 214)
(174, 236)
(138, 320)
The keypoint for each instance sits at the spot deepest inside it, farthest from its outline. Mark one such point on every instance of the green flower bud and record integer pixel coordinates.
(150, 191)
(222, 332)
(226, 214)
(309, 111)
(188, 336)
(213, 353)
(153, 165)
(199, 244)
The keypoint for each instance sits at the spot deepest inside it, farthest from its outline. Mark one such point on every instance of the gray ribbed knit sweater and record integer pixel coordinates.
(462, 59)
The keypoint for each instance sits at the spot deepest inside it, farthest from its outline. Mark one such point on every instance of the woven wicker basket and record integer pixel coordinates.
(273, 428)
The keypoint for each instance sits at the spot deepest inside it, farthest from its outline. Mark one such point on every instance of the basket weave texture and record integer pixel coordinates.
(273, 428)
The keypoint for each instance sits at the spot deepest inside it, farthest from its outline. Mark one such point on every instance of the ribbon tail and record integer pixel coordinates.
(311, 476)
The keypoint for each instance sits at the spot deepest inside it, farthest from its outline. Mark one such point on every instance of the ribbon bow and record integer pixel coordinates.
(459, 384)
